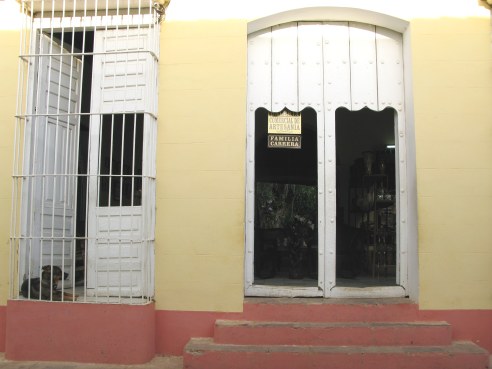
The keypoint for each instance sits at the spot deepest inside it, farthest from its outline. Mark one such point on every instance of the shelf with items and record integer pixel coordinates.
(372, 210)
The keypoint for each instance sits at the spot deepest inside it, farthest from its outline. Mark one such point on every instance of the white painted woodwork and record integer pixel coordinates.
(120, 238)
(332, 13)
(363, 76)
(326, 66)
(50, 161)
(310, 73)
(310, 87)
(336, 58)
(259, 95)
(121, 60)
(337, 93)
(284, 67)
(116, 256)
(55, 192)
(81, 6)
(260, 71)
(389, 46)
(389, 49)
(368, 292)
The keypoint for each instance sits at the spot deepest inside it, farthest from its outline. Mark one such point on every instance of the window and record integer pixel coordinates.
(84, 171)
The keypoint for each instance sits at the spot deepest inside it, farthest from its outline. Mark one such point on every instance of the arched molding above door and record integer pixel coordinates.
(330, 14)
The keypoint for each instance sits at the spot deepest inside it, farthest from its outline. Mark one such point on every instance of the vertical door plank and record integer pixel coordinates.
(284, 67)
(391, 94)
(336, 62)
(259, 95)
(310, 66)
(336, 58)
(259, 70)
(310, 60)
(363, 66)
(389, 68)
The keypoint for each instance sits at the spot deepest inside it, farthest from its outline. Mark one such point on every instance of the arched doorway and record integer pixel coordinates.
(344, 72)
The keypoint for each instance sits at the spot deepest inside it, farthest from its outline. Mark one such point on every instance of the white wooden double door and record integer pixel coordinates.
(325, 66)
(115, 235)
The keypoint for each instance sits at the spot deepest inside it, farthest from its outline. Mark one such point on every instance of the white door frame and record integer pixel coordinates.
(406, 200)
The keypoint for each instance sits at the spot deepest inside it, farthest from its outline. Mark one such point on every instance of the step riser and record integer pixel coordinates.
(249, 360)
(331, 336)
(319, 334)
(331, 312)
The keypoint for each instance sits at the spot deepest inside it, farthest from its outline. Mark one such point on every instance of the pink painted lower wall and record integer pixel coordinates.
(97, 333)
(3, 323)
(470, 325)
(123, 334)
(175, 328)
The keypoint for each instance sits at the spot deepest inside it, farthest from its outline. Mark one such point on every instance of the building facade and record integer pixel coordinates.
(175, 160)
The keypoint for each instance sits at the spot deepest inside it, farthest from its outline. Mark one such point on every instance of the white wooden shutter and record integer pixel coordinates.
(120, 65)
(118, 252)
(49, 191)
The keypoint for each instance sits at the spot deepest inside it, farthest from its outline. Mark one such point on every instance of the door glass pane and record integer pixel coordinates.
(120, 169)
(286, 200)
(366, 199)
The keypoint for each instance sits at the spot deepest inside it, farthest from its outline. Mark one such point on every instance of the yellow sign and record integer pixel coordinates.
(284, 123)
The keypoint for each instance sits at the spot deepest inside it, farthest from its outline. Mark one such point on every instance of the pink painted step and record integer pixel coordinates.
(330, 334)
(203, 353)
(330, 310)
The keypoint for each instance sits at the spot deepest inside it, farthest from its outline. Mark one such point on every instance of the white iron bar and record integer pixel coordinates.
(93, 53)
(56, 177)
(79, 21)
(123, 125)
(25, 116)
(127, 34)
(134, 136)
(58, 158)
(47, 159)
(110, 193)
(121, 152)
(28, 140)
(73, 175)
(111, 152)
(88, 182)
(15, 167)
(133, 160)
(43, 170)
(98, 199)
(77, 153)
(70, 156)
(84, 240)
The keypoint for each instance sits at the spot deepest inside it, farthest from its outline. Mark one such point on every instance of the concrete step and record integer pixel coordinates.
(331, 334)
(203, 353)
(330, 310)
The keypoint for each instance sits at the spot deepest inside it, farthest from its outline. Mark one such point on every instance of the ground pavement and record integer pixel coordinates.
(156, 363)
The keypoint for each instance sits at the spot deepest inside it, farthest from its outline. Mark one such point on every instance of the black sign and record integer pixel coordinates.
(276, 164)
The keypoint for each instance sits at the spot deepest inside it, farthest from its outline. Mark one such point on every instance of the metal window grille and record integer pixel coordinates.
(83, 195)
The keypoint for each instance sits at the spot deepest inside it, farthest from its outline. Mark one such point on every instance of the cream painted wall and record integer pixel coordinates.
(200, 212)
(253, 9)
(9, 47)
(201, 149)
(452, 69)
(200, 166)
